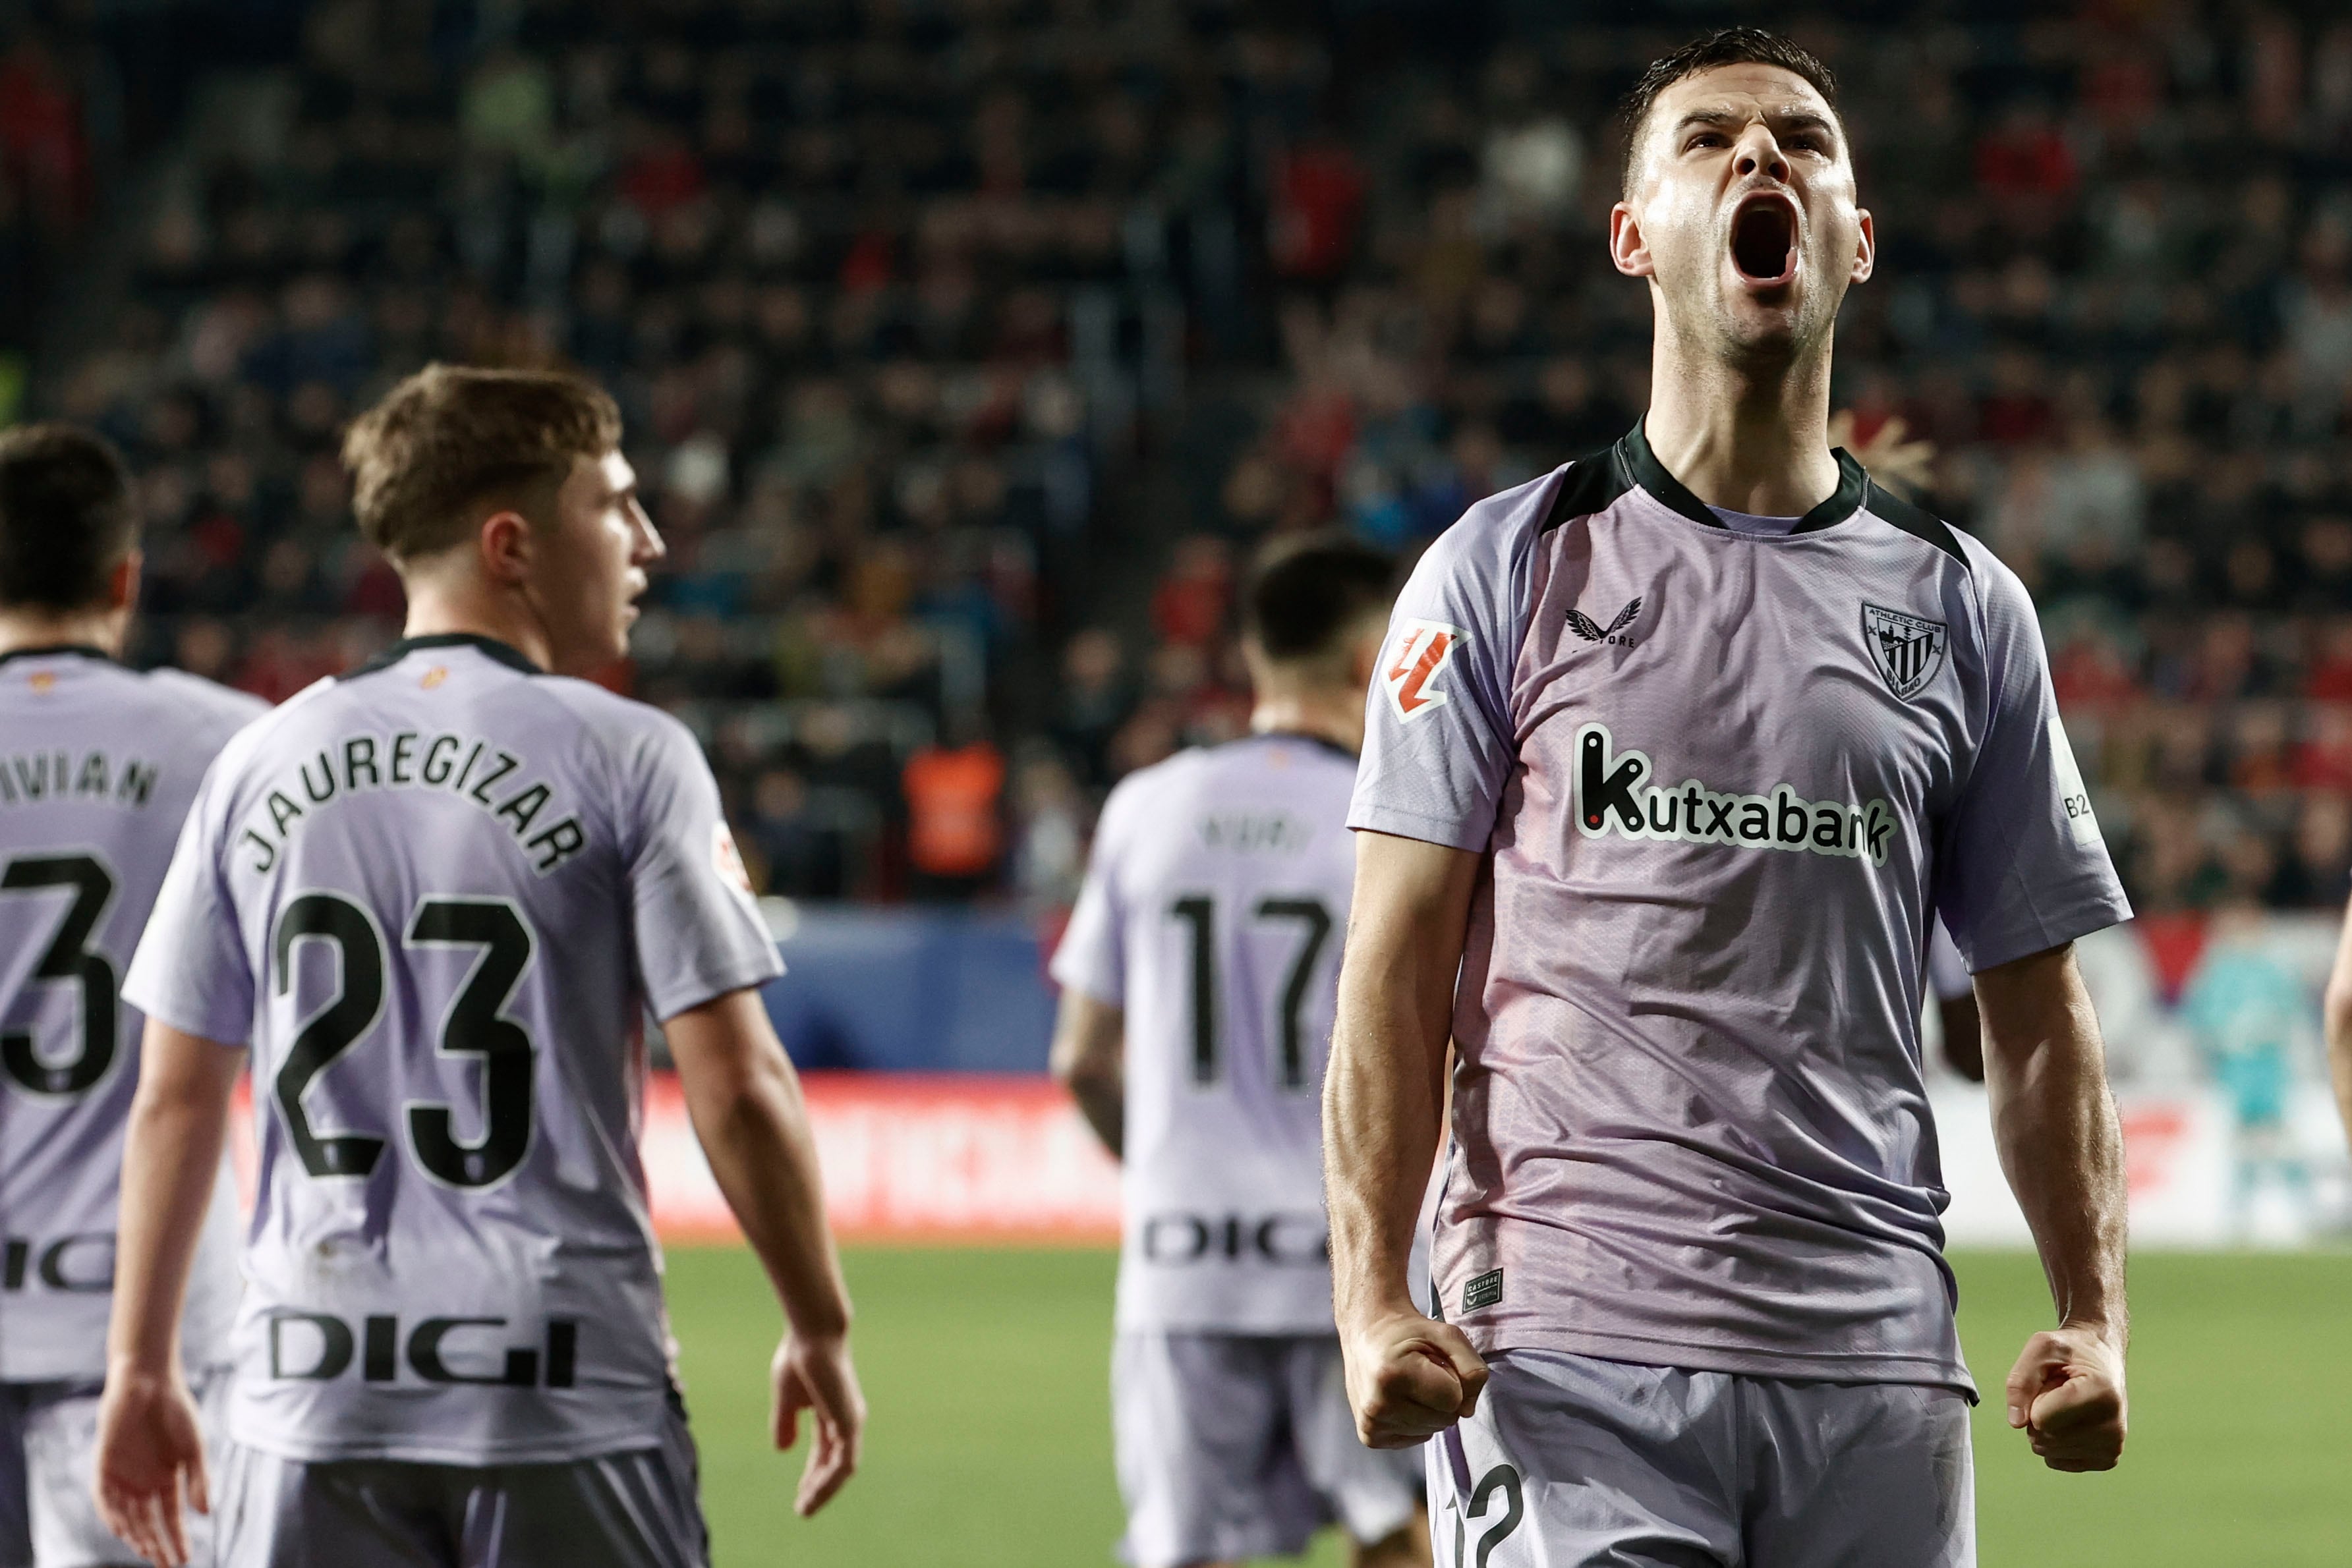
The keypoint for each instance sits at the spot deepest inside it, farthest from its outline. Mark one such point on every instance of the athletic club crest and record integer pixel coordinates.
(1908, 650)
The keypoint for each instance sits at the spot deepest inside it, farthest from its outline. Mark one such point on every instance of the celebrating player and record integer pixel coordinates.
(438, 895)
(1674, 755)
(97, 765)
(1218, 881)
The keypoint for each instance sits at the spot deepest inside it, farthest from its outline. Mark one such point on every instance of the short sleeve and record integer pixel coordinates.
(699, 933)
(2020, 865)
(1439, 743)
(191, 970)
(1092, 957)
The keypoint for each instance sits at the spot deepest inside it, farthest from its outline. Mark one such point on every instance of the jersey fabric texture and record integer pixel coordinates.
(437, 897)
(1575, 1460)
(1211, 913)
(97, 767)
(1723, 783)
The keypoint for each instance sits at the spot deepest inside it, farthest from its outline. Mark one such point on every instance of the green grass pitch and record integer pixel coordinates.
(989, 1446)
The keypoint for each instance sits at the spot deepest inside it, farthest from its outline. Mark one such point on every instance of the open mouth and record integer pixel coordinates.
(1764, 238)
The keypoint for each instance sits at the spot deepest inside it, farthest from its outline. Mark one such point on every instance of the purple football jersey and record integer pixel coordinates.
(1212, 911)
(97, 766)
(438, 896)
(1724, 783)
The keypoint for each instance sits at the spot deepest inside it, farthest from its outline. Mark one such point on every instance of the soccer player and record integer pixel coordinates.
(1674, 755)
(97, 765)
(1209, 923)
(438, 895)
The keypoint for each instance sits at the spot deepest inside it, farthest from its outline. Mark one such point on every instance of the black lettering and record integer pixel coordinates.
(91, 779)
(523, 808)
(563, 1351)
(508, 763)
(1233, 1236)
(558, 844)
(471, 758)
(380, 1362)
(137, 783)
(436, 764)
(1718, 814)
(1673, 809)
(13, 1258)
(34, 781)
(1608, 789)
(282, 811)
(1196, 1238)
(59, 1273)
(324, 791)
(359, 757)
(402, 745)
(1754, 822)
(8, 791)
(1785, 805)
(1829, 828)
(1881, 825)
(424, 1355)
(334, 1346)
(1311, 1245)
(268, 851)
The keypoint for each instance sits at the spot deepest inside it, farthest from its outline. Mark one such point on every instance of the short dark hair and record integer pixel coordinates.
(448, 440)
(1723, 46)
(66, 516)
(1307, 593)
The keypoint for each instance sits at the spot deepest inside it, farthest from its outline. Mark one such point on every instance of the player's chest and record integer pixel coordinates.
(1749, 665)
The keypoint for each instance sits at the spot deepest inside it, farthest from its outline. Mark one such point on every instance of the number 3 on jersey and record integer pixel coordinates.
(1314, 920)
(472, 1026)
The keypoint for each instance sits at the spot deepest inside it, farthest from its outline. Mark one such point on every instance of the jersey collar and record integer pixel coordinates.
(488, 647)
(1640, 466)
(1323, 741)
(56, 650)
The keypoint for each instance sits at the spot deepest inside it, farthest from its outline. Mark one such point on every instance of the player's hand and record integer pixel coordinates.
(2067, 1392)
(1409, 1378)
(1909, 467)
(150, 1465)
(815, 1373)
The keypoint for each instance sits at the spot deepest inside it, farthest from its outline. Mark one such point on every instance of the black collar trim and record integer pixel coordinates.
(488, 647)
(1640, 465)
(1324, 741)
(54, 650)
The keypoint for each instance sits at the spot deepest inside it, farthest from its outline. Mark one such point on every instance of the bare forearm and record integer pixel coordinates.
(1383, 1095)
(2060, 1146)
(1102, 1101)
(170, 1160)
(754, 1133)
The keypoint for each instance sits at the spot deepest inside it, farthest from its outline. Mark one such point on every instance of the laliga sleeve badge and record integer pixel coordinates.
(728, 861)
(1409, 675)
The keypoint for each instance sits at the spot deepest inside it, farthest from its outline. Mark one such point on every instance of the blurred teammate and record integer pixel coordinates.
(97, 765)
(1674, 755)
(1198, 975)
(438, 896)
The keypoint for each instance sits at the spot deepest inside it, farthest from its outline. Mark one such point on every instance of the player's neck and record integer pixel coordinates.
(23, 629)
(447, 610)
(1749, 441)
(1335, 717)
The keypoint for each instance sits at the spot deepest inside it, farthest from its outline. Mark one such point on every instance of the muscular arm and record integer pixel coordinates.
(150, 1457)
(746, 1105)
(2062, 1149)
(1383, 1095)
(1090, 1061)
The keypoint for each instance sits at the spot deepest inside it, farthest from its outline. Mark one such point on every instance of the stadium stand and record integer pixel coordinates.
(968, 347)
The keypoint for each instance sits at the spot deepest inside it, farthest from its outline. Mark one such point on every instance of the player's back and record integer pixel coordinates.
(97, 766)
(1214, 911)
(452, 884)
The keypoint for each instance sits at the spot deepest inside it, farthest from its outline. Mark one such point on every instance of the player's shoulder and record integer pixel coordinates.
(203, 706)
(1925, 530)
(626, 730)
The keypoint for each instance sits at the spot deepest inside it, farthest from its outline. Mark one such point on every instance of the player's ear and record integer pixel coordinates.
(506, 546)
(1627, 250)
(1866, 253)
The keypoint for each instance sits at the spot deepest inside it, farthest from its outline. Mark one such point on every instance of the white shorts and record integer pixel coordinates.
(1578, 1462)
(639, 1509)
(49, 1449)
(1239, 1445)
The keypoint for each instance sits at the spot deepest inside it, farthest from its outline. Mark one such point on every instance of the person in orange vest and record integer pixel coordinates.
(955, 820)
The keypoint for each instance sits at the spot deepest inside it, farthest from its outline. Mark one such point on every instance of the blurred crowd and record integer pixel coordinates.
(968, 347)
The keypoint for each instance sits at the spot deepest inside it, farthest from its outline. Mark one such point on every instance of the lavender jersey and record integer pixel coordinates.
(437, 897)
(97, 765)
(1212, 913)
(1723, 783)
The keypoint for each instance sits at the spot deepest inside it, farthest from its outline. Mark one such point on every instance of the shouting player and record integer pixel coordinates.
(1197, 982)
(97, 766)
(1677, 753)
(438, 896)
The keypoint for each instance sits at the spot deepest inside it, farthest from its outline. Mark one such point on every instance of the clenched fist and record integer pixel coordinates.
(1409, 1378)
(2067, 1392)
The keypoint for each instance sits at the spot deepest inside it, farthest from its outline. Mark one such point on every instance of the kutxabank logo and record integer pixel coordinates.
(1584, 626)
(1908, 650)
(1613, 795)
